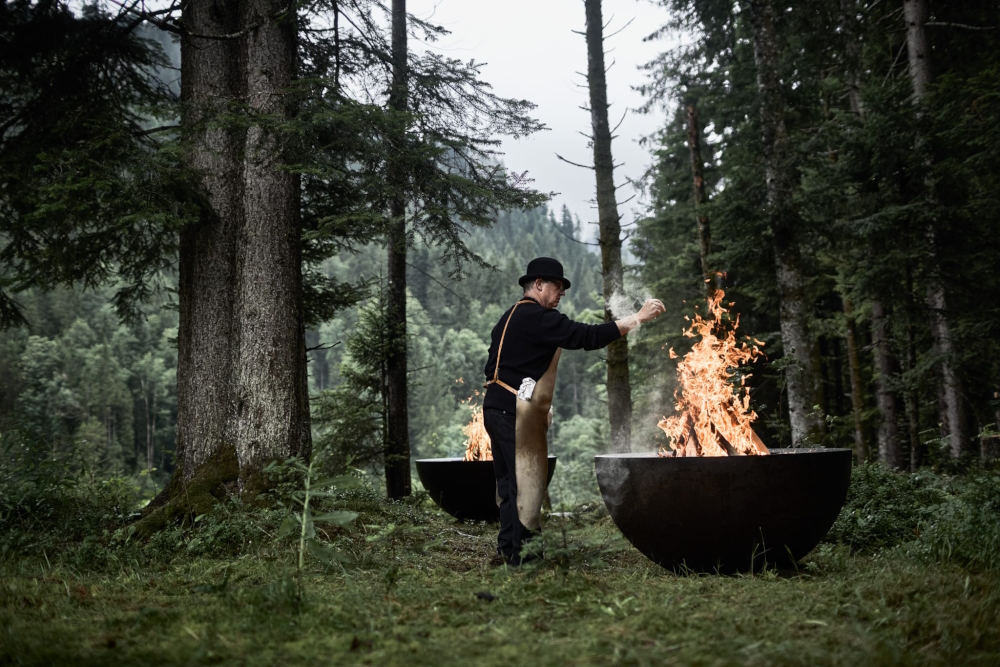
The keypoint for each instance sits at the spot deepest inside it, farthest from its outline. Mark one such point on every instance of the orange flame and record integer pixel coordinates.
(477, 444)
(711, 419)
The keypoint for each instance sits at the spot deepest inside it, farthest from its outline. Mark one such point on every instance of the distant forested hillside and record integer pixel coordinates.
(88, 386)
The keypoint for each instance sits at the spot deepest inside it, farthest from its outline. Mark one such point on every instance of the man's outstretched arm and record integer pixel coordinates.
(650, 310)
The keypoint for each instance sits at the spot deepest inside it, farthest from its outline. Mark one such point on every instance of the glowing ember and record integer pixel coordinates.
(711, 419)
(477, 445)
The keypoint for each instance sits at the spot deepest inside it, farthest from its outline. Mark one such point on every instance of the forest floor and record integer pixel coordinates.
(419, 588)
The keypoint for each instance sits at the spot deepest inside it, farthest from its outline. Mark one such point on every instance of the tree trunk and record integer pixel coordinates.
(852, 52)
(854, 368)
(318, 362)
(151, 451)
(912, 404)
(149, 403)
(886, 365)
(950, 406)
(271, 419)
(918, 48)
(241, 367)
(915, 13)
(910, 395)
(609, 226)
(890, 449)
(989, 446)
(782, 219)
(241, 398)
(836, 372)
(397, 443)
(205, 342)
(700, 197)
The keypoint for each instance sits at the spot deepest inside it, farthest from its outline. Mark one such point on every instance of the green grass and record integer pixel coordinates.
(407, 595)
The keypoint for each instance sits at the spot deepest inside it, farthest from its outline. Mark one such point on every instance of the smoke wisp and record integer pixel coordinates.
(628, 301)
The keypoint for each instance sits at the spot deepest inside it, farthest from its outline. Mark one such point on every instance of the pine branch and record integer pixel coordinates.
(575, 164)
(963, 26)
(607, 37)
(154, 130)
(559, 229)
(619, 122)
(164, 24)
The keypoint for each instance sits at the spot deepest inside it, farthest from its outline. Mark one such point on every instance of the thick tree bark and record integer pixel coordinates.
(890, 449)
(397, 443)
(609, 226)
(950, 406)
(857, 388)
(782, 219)
(205, 346)
(700, 196)
(271, 419)
(241, 374)
(915, 13)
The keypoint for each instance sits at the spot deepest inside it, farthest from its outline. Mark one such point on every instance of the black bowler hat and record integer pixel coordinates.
(544, 267)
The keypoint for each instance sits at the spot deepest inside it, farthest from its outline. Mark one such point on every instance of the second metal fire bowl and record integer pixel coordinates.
(725, 514)
(464, 489)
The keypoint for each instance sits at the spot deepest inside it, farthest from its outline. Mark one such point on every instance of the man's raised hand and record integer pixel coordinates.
(650, 310)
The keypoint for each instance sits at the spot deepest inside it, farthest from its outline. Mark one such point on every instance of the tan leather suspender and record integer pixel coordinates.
(496, 372)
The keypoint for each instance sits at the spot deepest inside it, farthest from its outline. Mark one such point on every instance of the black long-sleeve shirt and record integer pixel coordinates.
(532, 337)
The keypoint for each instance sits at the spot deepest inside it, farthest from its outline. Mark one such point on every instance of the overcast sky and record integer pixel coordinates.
(532, 53)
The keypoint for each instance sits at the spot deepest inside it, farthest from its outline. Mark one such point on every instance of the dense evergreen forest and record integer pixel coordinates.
(836, 162)
(251, 253)
(830, 165)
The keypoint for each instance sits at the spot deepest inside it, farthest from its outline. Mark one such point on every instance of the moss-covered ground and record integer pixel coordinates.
(418, 588)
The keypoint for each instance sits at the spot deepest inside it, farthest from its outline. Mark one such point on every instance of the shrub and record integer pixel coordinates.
(942, 518)
(883, 509)
(46, 502)
(964, 527)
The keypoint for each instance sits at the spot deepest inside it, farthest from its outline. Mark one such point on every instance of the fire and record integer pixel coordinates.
(711, 419)
(477, 444)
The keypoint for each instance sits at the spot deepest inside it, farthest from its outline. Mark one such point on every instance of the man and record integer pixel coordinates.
(520, 373)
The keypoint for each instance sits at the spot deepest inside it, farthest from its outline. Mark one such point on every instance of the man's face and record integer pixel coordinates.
(548, 292)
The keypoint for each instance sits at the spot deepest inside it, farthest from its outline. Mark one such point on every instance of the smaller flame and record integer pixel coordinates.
(711, 419)
(477, 444)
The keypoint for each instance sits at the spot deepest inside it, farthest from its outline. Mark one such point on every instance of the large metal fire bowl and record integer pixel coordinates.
(464, 489)
(725, 514)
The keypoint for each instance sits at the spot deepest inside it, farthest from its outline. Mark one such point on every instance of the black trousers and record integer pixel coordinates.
(513, 534)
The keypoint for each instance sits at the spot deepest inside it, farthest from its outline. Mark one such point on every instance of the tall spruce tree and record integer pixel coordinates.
(397, 450)
(915, 14)
(700, 195)
(609, 226)
(886, 363)
(784, 220)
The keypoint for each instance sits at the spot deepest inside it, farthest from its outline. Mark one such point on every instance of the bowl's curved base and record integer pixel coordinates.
(464, 489)
(725, 514)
